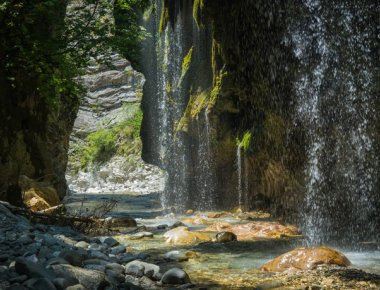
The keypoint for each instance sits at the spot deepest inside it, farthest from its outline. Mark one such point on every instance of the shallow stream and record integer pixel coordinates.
(209, 264)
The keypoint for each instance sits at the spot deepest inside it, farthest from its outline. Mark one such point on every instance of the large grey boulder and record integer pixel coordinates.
(90, 279)
(138, 268)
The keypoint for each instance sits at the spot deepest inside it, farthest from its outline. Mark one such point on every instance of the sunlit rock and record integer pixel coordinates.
(255, 230)
(37, 195)
(197, 220)
(306, 259)
(182, 235)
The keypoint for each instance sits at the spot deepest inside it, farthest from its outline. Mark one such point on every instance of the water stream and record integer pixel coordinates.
(216, 264)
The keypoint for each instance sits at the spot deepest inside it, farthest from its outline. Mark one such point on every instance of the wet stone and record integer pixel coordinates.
(175, 276)
(139, 269)
(31, 269)
(118, 250)
(43, 283)
(75, 258)
(63, 283)
(109, 241)
(176, 256)
(225, 237)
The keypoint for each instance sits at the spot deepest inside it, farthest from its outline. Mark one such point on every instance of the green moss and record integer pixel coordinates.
(168, 88)
(139, 94)
(122, 139)
(164, 19)
(198, 8)
(245, 142)
(187, 61)
(196, 104)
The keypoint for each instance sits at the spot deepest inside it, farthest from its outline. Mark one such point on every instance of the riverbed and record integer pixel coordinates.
(215, 265)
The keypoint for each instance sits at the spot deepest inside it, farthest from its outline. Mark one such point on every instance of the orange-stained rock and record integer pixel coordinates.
(306, 259)
(189, 212)
(37, 196)
(255, 230)
(182, 235)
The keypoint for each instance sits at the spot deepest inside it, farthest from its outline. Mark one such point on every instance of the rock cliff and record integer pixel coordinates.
(105, 146)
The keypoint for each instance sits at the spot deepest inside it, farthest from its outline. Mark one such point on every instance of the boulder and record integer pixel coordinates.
(75, 258)
(256, 230)
(306, 259)
(138, 268)
(175, 276)
(37, 196)
(90, 279)
(182, 235)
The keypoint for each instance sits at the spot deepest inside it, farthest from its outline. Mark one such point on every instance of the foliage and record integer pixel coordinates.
(122, 138)
(128, 33)
(45, 45)
(197, 12)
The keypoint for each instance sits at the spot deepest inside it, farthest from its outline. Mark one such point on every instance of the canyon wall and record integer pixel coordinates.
(36, 119)
(267, 105)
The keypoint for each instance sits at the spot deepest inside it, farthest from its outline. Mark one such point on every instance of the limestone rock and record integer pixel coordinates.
(182, 235)
(306, 259)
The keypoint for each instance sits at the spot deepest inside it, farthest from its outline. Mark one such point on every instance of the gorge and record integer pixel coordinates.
(212, 135)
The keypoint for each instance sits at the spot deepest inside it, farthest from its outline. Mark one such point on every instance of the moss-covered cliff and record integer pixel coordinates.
(265, 109)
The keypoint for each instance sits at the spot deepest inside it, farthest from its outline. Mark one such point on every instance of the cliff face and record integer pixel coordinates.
(105, 145)
(254, 104)
(34, 135)
(224, 79)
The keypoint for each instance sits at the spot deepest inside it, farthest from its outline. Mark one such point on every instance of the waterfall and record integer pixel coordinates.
(246, 184)
(239, 176)
(205, 176)
(336, 104)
